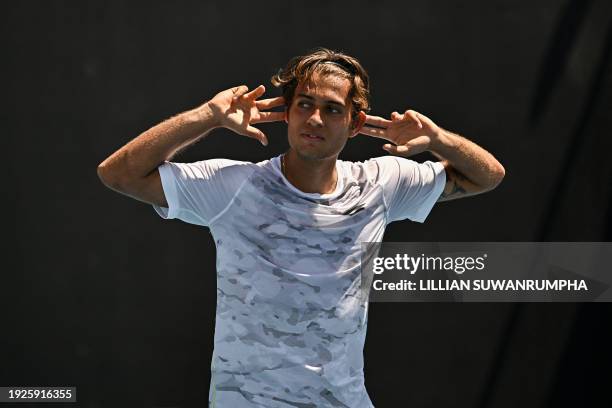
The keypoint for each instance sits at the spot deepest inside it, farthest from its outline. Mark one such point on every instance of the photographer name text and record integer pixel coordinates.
(482, 285)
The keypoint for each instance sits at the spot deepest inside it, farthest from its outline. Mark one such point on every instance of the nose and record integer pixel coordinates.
(315, 118)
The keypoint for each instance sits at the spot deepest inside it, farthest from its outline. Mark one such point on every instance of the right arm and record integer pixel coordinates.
(132, 170)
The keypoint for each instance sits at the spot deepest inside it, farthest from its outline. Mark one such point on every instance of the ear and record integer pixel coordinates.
(357, 123)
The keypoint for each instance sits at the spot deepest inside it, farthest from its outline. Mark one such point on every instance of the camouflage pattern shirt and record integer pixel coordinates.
(291, 321)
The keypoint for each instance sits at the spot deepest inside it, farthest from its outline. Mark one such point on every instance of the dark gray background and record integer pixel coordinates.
(100, 293)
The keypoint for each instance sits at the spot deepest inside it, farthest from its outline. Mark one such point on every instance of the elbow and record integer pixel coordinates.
(500, 173)
(107, 177)
(494, 176)
(497, 175)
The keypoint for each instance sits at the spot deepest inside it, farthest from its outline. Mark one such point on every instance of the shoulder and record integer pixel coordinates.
(361, 172)
(381, 169)
(207, 169)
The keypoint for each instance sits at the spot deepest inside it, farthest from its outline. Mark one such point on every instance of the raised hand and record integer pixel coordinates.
(237, 109)
(411, 132)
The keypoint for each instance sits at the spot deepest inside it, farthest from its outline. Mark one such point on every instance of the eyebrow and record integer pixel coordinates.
(328, 101)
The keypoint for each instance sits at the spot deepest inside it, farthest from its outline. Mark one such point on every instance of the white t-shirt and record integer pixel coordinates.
(291, 319)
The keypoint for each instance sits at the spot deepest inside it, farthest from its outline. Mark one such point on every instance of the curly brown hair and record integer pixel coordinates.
(324, 61)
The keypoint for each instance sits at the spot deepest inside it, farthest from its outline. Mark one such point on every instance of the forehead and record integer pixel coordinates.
(326, 87)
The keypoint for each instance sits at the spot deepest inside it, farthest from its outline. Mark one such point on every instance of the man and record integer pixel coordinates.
(290, 321)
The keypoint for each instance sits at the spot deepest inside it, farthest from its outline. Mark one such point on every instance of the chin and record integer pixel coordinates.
(309, 153)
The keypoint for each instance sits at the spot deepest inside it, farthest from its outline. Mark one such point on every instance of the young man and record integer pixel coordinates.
(290, 321)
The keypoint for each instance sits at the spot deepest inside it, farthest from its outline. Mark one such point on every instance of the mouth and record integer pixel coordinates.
(310, 136)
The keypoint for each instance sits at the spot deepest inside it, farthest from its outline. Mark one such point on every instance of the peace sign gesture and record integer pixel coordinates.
(237, 109)
(411, 132)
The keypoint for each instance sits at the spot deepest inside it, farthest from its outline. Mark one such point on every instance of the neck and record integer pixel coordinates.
(310, 175)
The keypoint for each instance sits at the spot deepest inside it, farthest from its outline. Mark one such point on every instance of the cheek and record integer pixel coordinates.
(342, 125)
(293, 115)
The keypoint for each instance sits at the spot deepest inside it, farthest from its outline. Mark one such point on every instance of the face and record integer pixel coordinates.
(319, 118)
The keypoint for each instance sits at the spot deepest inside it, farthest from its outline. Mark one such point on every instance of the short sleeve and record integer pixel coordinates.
(410, 189)
(197, 192)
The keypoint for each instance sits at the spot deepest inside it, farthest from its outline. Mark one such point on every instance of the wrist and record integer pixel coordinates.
(205, 116)
(441, 139)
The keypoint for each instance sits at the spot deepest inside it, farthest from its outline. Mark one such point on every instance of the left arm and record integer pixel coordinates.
(470, 169)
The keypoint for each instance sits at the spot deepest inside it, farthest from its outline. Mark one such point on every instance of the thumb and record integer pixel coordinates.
(414, 146)
(401, 150)
(255, 133)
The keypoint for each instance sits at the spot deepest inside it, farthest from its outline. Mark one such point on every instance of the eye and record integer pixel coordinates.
(303, 104)
(334, 110)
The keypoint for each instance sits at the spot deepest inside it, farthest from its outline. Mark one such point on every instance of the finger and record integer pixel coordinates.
(375, 132)
(255, 93)
(414, 116)
(396, 116)
(399, 150)
(239, 91)
(403, 150)
(255, 133)
(270, 117)
(377, 121)
(270, 103)
(414, 146)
